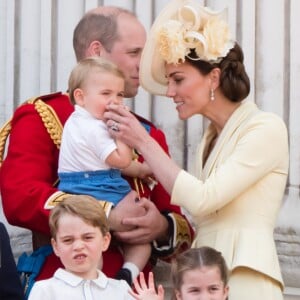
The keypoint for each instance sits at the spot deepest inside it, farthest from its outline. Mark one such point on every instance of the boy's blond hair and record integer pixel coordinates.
(86, 66)
(85, 207)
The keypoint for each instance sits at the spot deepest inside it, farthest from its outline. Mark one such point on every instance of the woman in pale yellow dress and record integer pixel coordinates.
(243, 156)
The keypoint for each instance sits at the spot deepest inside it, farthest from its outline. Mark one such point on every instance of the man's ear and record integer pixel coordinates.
(78, 96)
(94, 49)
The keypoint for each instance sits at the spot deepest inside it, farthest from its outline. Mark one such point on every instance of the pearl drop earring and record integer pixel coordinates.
(212, 95)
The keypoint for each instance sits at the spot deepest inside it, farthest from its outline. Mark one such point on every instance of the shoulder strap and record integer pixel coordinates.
(49, 118)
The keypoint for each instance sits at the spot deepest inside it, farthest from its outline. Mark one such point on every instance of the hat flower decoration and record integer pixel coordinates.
(200, 29)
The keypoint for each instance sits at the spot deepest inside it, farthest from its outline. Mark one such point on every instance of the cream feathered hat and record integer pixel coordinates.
(182, 25)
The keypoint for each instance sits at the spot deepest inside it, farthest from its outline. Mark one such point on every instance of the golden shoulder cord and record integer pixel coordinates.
(49, 118)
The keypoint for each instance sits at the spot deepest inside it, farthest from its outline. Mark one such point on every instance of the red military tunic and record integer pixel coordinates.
(29, 172)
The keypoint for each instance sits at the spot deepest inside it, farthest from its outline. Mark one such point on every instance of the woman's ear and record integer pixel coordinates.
(78, 96)
(215, 78)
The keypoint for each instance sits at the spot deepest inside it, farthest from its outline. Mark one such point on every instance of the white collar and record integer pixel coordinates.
(75, 280)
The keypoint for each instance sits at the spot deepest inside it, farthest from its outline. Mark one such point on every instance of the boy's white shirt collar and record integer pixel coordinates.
(74, 280)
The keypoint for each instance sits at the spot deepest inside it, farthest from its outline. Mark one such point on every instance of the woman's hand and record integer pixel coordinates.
(123, 125)
(144, 292)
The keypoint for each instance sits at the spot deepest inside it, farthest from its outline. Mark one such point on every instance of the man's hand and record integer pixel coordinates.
(151, 226)
(128, 207)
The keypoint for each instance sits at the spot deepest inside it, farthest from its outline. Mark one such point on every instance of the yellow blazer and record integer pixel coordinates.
(235, 201)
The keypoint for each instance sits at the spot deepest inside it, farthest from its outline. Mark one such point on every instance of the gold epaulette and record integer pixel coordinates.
(4, 133)
(49, 118)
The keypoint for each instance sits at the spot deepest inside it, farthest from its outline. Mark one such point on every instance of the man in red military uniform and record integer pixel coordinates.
(28, 174)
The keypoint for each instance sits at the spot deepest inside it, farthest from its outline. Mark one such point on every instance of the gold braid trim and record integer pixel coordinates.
(59, 196)
(50, 120)
(183, 234)
(4, 133)
(55, 199)
(137, 181)
(182, 238)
